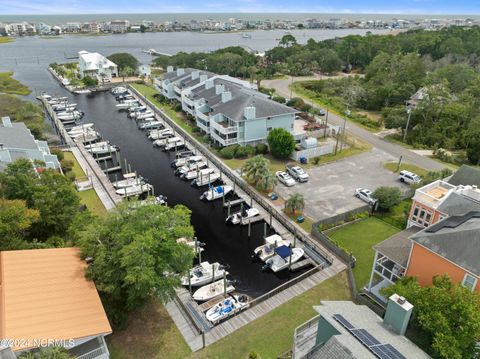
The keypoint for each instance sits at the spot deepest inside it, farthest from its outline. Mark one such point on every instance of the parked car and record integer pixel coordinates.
(365, 195)
(322, 112)
(297, 173)
(409, 177)
(285, 178)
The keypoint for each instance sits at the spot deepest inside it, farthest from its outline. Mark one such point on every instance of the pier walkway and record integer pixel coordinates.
(100, 182)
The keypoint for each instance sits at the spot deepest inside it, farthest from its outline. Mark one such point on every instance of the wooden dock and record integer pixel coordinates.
(307, 262)
(100, 182)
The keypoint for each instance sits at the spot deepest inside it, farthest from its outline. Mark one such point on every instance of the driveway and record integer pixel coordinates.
(331, 187)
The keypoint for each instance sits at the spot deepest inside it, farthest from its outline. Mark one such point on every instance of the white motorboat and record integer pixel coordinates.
(81, 133)
(134, 190)
(226, 308)
(196, 247)
(137, 109)
(243, 216)
(216, 192)
(267, 250)
(213, 290)
(57, 99)
(189, 167)
(144, 115)
(283, 257)
(203, 178)
(128, 182)
(67, 107)
(165, 141)
(179, 162)
(178, 145)
(82, 92)
(152, 125)
(160, 134)
(204, 273)
(44, 96)
(66, 116)
(196, 173)
(89, 137)
(125, 105)
(96, 144)
(102, 150)
(80, 127)
(118, 90)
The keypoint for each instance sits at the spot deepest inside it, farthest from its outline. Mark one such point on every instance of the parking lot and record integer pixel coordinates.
(330, 189)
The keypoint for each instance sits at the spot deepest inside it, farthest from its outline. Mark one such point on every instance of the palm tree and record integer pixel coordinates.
(295, 203)
(256, 167)
(127, 71)
(267, 182)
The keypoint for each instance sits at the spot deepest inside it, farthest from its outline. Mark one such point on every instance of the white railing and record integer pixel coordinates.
(100, 352)
(204, 127)
(223, 130)
(188, 101)
(223, 141)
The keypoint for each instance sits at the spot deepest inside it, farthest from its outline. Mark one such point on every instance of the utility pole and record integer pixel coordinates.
(291, 89)
(409, 112)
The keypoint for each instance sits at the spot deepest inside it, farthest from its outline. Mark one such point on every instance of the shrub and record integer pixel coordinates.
(279, 99)
(66, 165)
(177, 107)
(57, 152)
(296, 102)
(261, 149)
(251, 150)
(71, 176)
(387, 197)
(89, 81)
(227, 152)
(241, 152)
(281, 143)
(196, 129)
(316, 160)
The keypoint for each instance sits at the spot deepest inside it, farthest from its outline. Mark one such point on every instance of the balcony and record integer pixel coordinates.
(223, 127)
(188, 101)
(203, 126)
(202, 116)
(388, 269)
(223, 141)
(95, 348)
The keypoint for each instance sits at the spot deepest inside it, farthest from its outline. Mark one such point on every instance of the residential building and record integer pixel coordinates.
(16, 141)
(95, 65)
(230, 110)
(45, 300)
(119, 26)
(6, 29)
(466, 176)
(345, 330)
(72, 27)
(23, 28)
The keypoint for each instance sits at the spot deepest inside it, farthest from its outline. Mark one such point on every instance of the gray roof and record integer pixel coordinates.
(466, 175)
(7, 353)
(332, 349)
(456, 204)
(17, 136)
(172, 76)
(362, 317)
(455, 238)
(398, 246)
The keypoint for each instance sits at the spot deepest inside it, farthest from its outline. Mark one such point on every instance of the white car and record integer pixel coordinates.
(285, 178)
(297, 173)
(409, 177)
(365, 195)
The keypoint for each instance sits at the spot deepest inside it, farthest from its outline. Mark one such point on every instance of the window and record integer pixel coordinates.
(469, 282)
(269, 129)
(421, 216)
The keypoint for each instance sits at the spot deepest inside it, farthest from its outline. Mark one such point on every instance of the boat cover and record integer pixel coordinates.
(283, 251)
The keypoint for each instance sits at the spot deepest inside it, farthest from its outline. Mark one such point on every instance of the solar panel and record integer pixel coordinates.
(345, 323)
(382, 351)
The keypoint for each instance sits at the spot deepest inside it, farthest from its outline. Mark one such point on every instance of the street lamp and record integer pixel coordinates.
(409, 112)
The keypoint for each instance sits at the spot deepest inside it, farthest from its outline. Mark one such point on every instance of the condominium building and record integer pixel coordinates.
(119, 26)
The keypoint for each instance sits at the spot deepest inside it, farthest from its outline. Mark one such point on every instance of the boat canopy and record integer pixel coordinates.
(283, 251)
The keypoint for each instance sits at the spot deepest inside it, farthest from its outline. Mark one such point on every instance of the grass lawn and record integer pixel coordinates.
(272, 334)
(356, 147)
(358, 238)
(11, 86)
(397, 216)
(89, 197)
(392, 166)
(6, 39)
(306, 224)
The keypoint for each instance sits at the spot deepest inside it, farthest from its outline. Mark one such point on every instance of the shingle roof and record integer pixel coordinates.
(44, 295)
(466, 175)
(397, 247)
(17, 136)
(456, 204)
(332, 349)
(455, 238)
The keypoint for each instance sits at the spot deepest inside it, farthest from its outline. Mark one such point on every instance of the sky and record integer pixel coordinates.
(40, 7)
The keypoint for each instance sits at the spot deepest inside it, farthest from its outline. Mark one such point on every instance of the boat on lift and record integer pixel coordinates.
(130, 179)
(284, 256)
(226, 308)
(102, 150)
(81, 127)
(204, 273)
(267, 250)
(158, 134)
(179, 162)
(191, 243)
(134, 190)
(203, 177)
(243, 215)
(216, 192)
(213, 290)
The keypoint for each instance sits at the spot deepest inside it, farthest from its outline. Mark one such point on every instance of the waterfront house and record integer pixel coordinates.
(45, 299)
(345, 330)
(230, 110)
(16, 141)
(97, 66)
(119, 26)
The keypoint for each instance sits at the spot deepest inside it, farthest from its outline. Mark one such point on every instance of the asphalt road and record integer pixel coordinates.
(282, 88)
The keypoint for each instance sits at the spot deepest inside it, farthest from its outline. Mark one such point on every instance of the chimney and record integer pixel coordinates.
(195, 74)
(169, 68)
(6, 122)
(180, 72)
(219, 89)
(208, 84)
(398, 314)
(226, 96)
(250, 112)
(203, 78)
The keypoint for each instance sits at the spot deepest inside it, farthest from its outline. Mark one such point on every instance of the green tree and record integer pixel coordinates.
(89, 81)
(136, 255)
(267, 182)
(449, 314)
(295, 203)
(48, 353)
(256, 167)
(281, 143)
(15, 220)
(127, 71)
(288, 40)
(124, 59)
(387, 197)
(329, 61)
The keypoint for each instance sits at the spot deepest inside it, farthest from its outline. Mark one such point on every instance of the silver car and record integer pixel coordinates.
(285, 178)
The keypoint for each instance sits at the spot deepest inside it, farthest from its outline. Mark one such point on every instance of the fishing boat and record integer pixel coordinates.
(81, 127)
(134, 190)
(267, 250)
(179, 162)
(89, 137)
(204, 177)
(102, 150)
(193, 166)
(213, 290)
(129, 182)
(204, 273)
(96, 144)
(246, 36)
(216, 192)
(284, 256)
(196, 246)
(162, 142)
(44, 96)
(118, 90)
(125, 105)
(178, 145)
(143, 115)
(81, 133)
(159, 134)
(137, 109)
(243, 215)
(226, 308)
(196, 173)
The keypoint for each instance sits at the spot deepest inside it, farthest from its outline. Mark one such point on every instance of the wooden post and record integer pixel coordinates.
(229, 204)
(249, 228)
(203, 339)
(213, 273)
(264, 229)
(189, 282)
(224, 283)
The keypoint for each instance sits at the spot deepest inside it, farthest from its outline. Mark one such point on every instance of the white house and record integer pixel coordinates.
(95, 65)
